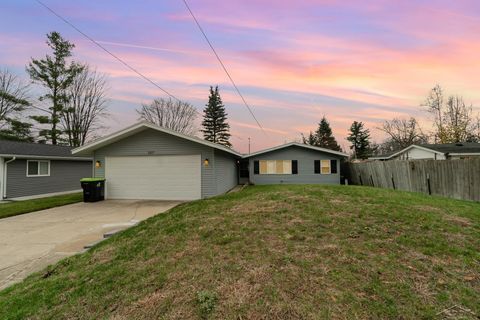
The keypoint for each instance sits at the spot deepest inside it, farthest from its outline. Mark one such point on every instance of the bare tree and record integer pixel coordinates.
(453, 119)
(403, 132)
(179, 116)
(85, 107)
(13, 95)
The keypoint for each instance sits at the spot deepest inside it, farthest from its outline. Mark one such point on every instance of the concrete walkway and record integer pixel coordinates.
(32, 241)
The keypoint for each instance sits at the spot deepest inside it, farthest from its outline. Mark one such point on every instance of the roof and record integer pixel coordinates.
(464, 148)
(296, 144)
(140, 126)
(456, 148)
(36, 150)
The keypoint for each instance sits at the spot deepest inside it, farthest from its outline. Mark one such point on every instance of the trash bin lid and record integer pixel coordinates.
(92, 179)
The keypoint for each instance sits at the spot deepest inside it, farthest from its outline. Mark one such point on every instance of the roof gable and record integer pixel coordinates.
(140, 126)
(296, 144)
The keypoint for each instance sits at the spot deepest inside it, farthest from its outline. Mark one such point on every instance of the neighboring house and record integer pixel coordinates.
(31, 169)
(145, 161)
(295, 163)
(446, 151)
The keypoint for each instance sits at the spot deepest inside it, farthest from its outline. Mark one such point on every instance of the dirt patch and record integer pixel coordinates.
(461, 221)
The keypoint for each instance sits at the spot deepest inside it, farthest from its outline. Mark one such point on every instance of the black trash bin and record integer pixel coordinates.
(93, 189)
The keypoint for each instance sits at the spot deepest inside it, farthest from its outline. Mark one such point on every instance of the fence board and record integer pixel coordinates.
(459, 179)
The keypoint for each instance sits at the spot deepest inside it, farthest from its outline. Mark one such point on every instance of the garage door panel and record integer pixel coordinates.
(154, 177)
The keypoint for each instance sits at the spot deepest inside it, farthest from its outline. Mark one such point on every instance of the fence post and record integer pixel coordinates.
(428, 184)
(360, 178)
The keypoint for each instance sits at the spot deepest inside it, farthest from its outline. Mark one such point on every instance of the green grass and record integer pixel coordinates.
(274, 252)
(20, 207)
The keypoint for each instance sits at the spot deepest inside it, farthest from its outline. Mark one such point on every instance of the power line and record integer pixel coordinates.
(106, 50)
(222, 64)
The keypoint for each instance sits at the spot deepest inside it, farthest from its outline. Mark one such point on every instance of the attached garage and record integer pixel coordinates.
(145, 161)
(155, 177)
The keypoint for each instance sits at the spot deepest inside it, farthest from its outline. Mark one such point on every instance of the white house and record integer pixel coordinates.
(446, 151)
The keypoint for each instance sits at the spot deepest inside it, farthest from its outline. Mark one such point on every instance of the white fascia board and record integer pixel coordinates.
(140, 126)
(26, 156)
(298, 145)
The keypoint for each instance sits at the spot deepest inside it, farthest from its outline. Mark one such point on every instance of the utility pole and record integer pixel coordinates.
(248, 145)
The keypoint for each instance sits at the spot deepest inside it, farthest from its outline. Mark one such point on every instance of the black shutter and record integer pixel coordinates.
(333, 166)
(317, 166)
(256, 167)
(294, 167)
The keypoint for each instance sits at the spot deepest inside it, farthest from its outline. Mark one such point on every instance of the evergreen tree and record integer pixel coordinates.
(311, 139)
(16, 130)
(56, 75)
(360, 138)
(215, 126)
(323, 137)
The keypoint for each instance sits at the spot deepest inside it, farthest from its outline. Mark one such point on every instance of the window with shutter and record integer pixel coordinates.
(256, 167)
(294, 167)
(333, 166)
(325, 166)
(317, 166)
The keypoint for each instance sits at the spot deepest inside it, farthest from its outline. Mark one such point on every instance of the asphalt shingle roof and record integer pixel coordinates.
(33, 149)
(464, 147)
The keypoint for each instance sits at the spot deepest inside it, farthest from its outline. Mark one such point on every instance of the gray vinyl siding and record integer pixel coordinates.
(306, 168)
(225, 171)
(64, 176)
(153, 143)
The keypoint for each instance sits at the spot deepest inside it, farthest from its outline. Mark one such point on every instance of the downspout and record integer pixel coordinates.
(4, 182)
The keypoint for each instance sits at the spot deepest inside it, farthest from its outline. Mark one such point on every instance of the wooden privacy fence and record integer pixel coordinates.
(459, 179)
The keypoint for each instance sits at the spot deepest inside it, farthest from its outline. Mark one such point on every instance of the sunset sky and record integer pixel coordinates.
(294, 61)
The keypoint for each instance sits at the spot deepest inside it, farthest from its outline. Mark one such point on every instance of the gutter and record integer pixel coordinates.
(21, 156)
(4, 178)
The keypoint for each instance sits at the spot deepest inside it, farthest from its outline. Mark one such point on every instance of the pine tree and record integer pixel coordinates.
(360, 138)
(215, 126)
(56, 76)
(324, 137)
(311, 139)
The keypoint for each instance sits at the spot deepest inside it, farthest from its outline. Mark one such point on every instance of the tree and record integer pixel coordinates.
(403, 133)
(215, 126)
(13, 100)
(17, 131)
(360, 138)
(13, 95)
(453, 119)
(311, 139)
(323, 137)
(56, 75)
(179, 116)
(85, 106)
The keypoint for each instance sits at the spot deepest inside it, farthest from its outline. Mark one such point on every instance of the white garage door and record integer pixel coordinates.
(153, 177)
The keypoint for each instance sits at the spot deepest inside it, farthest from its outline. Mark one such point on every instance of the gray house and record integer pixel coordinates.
(145, 161)
(293, 163)
(31, 169)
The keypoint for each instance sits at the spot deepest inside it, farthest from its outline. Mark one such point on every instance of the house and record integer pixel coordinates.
(34, 170)
(446, 151)
(145, 161)
(294, 163)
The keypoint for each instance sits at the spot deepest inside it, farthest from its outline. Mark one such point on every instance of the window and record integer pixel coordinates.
(274, 167)
(37, 168)
(325, 166)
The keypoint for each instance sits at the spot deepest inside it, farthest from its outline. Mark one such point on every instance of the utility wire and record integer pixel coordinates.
(223, 65)
(106, 50)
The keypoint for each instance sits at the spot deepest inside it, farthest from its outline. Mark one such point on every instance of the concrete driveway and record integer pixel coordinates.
(32, 241)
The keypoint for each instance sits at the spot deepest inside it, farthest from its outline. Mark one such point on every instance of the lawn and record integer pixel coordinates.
(274, 252)
(20, 207)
